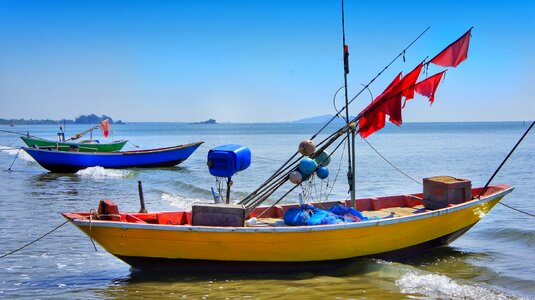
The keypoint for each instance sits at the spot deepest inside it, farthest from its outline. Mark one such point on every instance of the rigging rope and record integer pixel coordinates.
(371, 81)
(253, 200)
(518, 210)
(16, 156)
(255, 204)
(505, 159)
(391, 164)
(337, 171)
(285, 167)
(16, 250)
(501, 165)
(133, 144)
(508, 206)
(15, 132)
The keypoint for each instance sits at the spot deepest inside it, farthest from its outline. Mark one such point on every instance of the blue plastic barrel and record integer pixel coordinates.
(227, 160)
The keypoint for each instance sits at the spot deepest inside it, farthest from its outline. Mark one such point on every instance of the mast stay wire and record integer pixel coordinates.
(418, 182)
(278, 172)
(391, 164)
(30, 243)
(16, 156)
(250, 200)
(371, 81)
(351, 126)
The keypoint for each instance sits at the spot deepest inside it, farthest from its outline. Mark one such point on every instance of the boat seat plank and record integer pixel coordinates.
(265, 222)
(394, 211)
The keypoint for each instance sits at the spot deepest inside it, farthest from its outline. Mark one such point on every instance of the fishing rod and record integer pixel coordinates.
(484, 189)
(15, 132)
(79, 135)
(402, 53)
(256, 204)
(349, 127)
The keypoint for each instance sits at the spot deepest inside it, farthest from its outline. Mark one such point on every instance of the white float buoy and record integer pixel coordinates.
(307, 147)
(296, 177)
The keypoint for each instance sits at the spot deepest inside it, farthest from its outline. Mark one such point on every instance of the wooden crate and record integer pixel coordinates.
(441, 191)
(208, 214)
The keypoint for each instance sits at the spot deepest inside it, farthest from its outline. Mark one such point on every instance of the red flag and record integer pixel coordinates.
(371, 122)
(455, 53)
(389, 102)
(408, 82)
(428, 87)
(105, 127)
(374, 119)
(392, 106)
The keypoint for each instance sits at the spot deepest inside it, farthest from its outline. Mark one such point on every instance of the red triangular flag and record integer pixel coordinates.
(392, 105)
(374, 119)
(408, 81)
(105, 127)
(371, 122)
(455, 53)
(389, 102)
(428, 87)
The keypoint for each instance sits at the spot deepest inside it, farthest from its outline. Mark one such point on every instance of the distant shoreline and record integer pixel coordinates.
(82, 119)
(260, 123)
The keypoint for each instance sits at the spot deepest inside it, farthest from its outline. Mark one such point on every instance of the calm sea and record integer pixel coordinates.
(494, 260)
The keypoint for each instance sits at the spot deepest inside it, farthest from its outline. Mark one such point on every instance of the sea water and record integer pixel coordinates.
(494, 260)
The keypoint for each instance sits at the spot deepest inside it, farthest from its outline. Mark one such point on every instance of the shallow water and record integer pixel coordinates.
(493, 260)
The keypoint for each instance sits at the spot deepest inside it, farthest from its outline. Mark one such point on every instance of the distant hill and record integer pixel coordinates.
(82, 119)
(320, 119)
(209, 121)
(91, 119)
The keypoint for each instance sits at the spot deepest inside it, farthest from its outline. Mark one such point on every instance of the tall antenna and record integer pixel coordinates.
(350, 133)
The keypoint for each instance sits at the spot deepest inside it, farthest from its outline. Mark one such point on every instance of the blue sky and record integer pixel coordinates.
(256, 61)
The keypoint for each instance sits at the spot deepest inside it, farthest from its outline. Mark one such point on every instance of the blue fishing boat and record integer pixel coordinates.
(73, 161)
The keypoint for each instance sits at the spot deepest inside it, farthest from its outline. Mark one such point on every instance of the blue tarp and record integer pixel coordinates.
(307, 214)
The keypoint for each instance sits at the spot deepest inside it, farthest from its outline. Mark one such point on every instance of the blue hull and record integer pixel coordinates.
(70, 162)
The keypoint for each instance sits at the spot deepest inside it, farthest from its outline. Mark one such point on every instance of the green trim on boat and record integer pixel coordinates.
(35, 142)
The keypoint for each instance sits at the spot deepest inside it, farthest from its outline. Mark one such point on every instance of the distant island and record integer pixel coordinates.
(82, 119)
(209, 121)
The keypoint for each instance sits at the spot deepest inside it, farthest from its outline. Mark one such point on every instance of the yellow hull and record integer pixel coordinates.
(285, 244)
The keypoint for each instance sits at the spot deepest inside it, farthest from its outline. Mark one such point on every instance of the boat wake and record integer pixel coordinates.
(13, 151)
(442, 287)
(181, 202)
(100, 172)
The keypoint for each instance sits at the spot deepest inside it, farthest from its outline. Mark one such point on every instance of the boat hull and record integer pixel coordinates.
(199, 248)
(213, 266)
(70, 162)
(39, 143)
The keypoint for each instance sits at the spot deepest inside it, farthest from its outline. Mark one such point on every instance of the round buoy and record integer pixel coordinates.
(296, 177)
(307, 166)
(322, 172)
(307, 147)
(323, 159)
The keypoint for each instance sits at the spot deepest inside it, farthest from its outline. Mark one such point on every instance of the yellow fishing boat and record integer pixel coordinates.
(164, 240)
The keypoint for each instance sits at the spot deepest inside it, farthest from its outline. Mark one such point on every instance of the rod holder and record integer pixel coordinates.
(229, 184)
(141, 198)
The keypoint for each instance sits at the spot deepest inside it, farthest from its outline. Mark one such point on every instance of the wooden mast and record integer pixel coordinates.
(350, 133)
